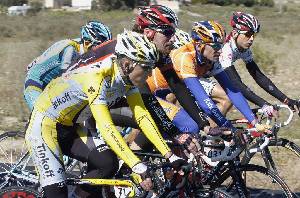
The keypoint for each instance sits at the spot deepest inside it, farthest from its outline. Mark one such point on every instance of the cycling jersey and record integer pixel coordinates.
(230, 53)
(48, 66)
(185, 65)
(100, 86)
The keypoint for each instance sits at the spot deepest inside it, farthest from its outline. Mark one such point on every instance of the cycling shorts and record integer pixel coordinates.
(48, 140)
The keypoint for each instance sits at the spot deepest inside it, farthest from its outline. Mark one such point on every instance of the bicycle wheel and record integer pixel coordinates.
(283, 153)
(260, 182)
(19, 192)
(16, 166)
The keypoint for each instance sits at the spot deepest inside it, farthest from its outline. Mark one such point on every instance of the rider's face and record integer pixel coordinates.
(244, 41)
(211, 52)
(139, 74)
(163, 38)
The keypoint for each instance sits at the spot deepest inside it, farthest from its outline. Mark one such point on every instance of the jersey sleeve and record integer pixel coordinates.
(67, 56)
(247, 56)
(146, 123)
(104, 121)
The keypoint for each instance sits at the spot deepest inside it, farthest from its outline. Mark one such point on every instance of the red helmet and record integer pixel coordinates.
(156, 15)
(243, 22)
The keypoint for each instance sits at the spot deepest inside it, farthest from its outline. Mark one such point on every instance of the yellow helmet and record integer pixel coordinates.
(208, 32)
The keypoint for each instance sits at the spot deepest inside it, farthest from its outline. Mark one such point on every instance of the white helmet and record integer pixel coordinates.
(181, 38)
(137, 47)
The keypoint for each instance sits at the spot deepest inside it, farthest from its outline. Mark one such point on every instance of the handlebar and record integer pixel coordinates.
(282, 124)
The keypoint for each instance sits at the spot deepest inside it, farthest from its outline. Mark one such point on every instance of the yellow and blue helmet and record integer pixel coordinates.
(208, 32)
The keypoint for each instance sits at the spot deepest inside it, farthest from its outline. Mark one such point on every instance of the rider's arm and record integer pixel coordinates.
(235, 96)
(264, 82)
(247, 93)
(93, 89)
(205, 102)
(66, 57)
(146, 123)
(186, 100)
(157, 112)
(111, 135)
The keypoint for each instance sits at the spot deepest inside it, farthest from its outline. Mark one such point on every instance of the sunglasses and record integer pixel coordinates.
(248, 34)
(166, 30)
(145, 66)
(215, 46)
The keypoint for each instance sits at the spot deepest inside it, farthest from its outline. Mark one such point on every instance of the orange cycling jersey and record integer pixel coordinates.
(185, 65)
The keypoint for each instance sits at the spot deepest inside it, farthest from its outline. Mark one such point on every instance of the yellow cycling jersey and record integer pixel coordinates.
(98, 85)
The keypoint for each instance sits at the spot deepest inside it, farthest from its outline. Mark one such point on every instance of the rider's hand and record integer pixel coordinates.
(217, 131)
(293, 104)
(144, 180)
(264, 128)
(177, 162)
(189, 141)
(269, 111)
(147, 184)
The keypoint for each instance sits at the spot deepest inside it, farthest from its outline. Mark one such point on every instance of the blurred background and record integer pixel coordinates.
(28, 27)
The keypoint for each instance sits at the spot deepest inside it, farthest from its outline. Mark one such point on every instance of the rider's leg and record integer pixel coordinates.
(87, 146)
(220, 97)
(42, 140)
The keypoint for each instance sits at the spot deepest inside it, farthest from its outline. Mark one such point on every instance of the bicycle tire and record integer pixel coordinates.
(12, 150)
(279, 155)
(286, 144)
(259, 169)
(18, 192)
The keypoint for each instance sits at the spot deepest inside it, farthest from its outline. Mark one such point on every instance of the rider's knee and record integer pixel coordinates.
(225, 104)
(104, 164)
(57, 190)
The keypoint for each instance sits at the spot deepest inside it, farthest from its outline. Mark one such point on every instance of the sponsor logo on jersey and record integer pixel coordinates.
(61, 100)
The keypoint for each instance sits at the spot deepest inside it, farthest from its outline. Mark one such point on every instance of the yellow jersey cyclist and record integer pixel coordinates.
(58, 57)
(197, 59)
(50, 132)
(245, 27)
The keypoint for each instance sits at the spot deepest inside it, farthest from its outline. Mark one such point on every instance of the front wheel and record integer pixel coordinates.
(259, 181)
(285, 157)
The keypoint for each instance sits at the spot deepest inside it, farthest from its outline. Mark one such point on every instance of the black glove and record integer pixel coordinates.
(177, 162)
(217, 131)
(293, 104)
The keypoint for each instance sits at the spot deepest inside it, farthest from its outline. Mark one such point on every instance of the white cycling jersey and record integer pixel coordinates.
(230, 53)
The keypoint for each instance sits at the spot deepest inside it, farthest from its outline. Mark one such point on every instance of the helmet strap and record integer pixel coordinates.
(199, 48)
(149, 33)
(124, 77)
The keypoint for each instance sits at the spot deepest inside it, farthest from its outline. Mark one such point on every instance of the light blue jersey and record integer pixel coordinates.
(48, 66)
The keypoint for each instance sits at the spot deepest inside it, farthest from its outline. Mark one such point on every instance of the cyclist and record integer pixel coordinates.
(245, 27)
(197, 59)
(158, 23)
(99, 85)
(58, 57)
(213, 89)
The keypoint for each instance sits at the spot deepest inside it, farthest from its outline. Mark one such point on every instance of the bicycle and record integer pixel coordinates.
(228, 173)
(17, 168)
(124, 185)
(266, 145)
